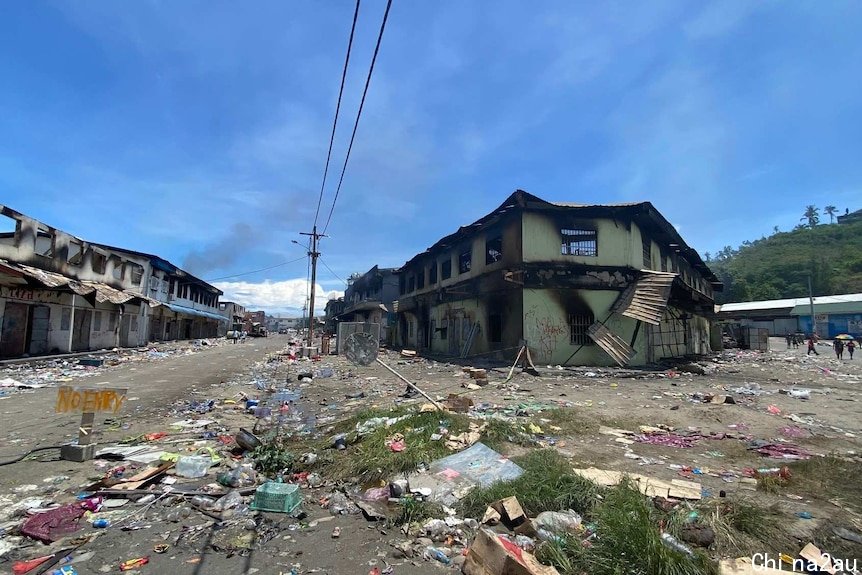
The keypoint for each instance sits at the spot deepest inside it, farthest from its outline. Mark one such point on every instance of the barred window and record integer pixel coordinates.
(579, 242)
(578, 325)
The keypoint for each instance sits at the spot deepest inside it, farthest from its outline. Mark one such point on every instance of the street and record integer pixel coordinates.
(561, 409)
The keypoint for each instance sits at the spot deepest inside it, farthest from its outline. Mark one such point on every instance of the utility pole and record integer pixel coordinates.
(811, 303)
(314, 255)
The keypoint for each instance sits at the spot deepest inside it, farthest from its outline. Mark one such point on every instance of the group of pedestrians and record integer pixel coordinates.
(838, 344)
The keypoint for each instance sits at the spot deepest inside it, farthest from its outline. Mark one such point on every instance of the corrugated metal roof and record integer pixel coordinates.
(848, 307)
(646, 298)
(788, 303)
(197, 312)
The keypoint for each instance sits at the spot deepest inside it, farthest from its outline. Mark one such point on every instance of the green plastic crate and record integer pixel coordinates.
(276, 497)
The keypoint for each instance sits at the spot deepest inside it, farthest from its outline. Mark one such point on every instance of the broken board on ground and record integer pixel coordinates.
(649, 486)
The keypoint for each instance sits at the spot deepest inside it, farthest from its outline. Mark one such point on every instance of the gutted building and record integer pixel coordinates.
(368, 299)
(580, 284)
(59, 293)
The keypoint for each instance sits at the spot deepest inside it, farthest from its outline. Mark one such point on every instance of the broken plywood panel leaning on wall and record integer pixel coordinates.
(645, 301)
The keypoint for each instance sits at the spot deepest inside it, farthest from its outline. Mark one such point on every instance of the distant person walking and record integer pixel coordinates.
(811, 346)
(234, 335)
(795, 338)
(851, 347)
(788, 339)
(838, 345)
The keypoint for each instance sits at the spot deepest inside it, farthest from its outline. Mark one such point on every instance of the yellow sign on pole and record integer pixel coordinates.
(89, 400)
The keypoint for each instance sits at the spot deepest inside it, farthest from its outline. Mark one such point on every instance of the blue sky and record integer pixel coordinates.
(198, 130)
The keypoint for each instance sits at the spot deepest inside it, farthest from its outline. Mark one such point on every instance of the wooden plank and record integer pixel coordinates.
(140, 479)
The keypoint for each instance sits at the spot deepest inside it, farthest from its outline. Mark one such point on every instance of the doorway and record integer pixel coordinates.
(14, 334)
(40, 323)
(81, 330)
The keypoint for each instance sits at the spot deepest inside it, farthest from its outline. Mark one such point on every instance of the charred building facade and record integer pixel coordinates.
(579, 284)
(60, 294)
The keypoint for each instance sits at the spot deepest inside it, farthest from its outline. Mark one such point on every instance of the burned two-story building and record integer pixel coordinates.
(60, 293)
(368, 299)
(579, 284)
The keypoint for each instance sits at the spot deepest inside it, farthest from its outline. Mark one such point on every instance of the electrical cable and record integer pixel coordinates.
(31, 452)
(358, 113)
(256, 271)
(337, 109)
(332, 272)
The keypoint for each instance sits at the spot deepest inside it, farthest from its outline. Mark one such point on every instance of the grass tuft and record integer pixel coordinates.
(627, 541)
(370, 460)
(831, 477)
(412, 510)
(547, 484)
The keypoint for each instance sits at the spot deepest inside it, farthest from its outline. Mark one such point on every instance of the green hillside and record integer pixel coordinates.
(776, 267)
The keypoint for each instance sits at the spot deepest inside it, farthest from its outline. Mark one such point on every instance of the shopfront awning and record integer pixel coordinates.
(196, 312)
(93, 291)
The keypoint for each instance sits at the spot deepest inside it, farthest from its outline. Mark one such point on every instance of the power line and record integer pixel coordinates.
(359, 113)
(332, 272)
(337, 109)
(256, 271)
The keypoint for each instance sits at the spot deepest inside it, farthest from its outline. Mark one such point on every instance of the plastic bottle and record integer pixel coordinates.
(229, 501)
(101, 523)
(436, 554)
(675, 544)
(203, 502)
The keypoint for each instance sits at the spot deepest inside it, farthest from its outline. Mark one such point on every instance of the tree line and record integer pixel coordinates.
(778, 266)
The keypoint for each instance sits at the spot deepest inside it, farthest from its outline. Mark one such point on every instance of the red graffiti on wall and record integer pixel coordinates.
(548, 331)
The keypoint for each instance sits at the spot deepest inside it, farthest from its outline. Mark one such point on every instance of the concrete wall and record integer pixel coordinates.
(617, 245)
(60, 318)
(546, 326)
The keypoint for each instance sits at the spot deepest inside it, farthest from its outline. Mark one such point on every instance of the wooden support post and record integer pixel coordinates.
(85, 432)
(411, 384)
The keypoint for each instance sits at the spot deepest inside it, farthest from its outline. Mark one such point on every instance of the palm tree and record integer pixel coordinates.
(812, 214)
(707, 256)
(775, 230)
(831, 211)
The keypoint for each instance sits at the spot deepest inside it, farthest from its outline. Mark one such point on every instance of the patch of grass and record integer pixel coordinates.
(628, 542)
(412, 510)
(571, 421)
(770, 483)
(830, 478)
(370, 459)
(499, 432)
(741, 527)
(547, 484)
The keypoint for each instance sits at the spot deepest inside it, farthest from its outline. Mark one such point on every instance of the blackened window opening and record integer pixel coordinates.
(579, 323)
(579, 242)
(493, 250)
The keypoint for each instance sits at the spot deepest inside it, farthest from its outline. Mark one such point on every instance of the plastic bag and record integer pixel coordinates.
(558, 521)
(229, 501)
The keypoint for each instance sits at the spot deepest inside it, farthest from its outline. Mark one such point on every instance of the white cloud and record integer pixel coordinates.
(275, 296)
